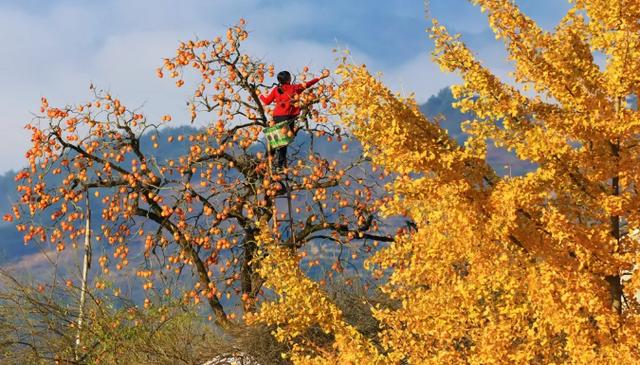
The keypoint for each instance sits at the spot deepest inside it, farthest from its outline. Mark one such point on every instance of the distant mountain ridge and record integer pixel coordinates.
(11, 244)
(504, 162)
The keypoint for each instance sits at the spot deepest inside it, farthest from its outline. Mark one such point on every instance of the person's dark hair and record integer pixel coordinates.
(284, 77)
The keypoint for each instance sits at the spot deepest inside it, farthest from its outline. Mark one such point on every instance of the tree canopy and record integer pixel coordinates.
(488, 269)
(532, 269)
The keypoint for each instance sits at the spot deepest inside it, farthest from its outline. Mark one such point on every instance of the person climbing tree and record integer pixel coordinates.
(286, 109)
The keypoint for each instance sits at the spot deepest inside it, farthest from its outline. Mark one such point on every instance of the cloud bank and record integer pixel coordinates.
(56, 48)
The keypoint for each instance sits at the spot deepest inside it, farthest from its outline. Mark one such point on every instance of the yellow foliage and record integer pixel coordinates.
(534, 269)
(301, 304)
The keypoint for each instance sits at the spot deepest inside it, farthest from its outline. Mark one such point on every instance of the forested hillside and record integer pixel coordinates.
(13, 249)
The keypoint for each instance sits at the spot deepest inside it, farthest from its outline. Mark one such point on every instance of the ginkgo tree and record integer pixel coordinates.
(198, 210)
(533, 269)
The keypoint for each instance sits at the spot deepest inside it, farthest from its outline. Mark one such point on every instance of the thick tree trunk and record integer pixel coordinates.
(247, 274)
(201, 269)
(615, 292)
(615, 285)
(214, 303)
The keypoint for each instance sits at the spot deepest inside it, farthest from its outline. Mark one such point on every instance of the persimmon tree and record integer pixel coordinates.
(533, 269)
(197, 210)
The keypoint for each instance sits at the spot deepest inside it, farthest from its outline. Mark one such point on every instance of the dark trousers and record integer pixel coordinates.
(281, 153)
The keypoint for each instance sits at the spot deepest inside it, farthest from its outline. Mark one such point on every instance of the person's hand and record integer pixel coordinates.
(325, 74)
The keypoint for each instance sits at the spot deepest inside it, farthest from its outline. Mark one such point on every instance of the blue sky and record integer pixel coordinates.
(56, 48)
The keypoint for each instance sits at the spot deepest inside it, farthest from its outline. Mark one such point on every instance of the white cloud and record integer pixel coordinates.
(421, 76)
(117, 45)
(57, 51)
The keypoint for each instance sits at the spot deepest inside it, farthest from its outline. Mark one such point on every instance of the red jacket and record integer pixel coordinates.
(284, 101)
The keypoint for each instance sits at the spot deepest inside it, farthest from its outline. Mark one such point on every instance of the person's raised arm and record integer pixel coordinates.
(310, 83)
(266, 100)
(304, 85)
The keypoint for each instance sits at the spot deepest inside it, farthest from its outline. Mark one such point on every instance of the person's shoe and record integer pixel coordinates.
(280, 170)
(283, 186)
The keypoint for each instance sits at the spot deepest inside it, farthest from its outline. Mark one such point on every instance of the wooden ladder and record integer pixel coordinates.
(287, 196)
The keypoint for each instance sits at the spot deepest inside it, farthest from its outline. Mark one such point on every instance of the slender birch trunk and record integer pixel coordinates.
(86, 264)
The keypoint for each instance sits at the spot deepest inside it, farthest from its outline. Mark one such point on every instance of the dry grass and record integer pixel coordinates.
(38, 327)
